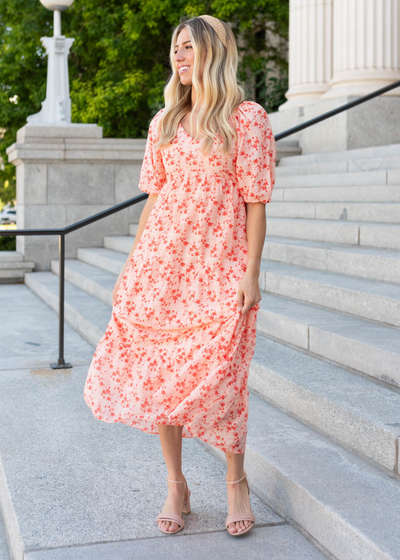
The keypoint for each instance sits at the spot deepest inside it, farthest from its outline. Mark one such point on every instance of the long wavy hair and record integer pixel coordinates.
(217, 94)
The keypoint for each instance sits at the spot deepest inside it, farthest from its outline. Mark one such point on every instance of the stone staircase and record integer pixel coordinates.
(324, 424)
(13, 267)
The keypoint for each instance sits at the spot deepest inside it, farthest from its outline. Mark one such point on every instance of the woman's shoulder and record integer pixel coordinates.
(157, 116)
(153, 126)
(247, 111)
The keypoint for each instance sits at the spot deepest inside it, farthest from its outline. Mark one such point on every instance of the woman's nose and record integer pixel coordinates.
(179, 55)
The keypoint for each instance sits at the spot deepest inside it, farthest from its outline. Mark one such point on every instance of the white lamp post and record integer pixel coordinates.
(56, 109)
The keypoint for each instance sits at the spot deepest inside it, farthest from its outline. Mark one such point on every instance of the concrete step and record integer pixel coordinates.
(285, 148)
(340, 166)
(123, 244)
(90, 279)
(106, 259)
(13, 267)
(386, 212)
(377, 155)
(363, 346)
(385, 236)
(87, 315)
(342, 501)
(368, 299)
(352, 410)
(364, 262)
(338, 194)
(361, 178)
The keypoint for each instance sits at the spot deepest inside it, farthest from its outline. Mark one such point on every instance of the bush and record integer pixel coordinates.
(8, 243)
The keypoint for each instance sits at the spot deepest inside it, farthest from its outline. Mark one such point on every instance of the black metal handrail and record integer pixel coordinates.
(64, 231)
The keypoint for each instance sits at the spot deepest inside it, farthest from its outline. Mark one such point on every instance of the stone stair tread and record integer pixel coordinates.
(349, 166)
(331, 246)
(283, 542)
(364, 285)
(89, 308)
(339, 223)
(16, 265)
(123, 237)
(121, 243)
(338, 193)
(93, 273)
(10, 256)
(337, 203)
(347, 407)
(103, 252)
(319, 485)
(388, 212)
(349, 178)
(388, 150)
(108, 260)
(357, 329)
(353, 233)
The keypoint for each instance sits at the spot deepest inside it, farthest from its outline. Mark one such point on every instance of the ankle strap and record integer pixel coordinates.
(236, 481)
(178, 481)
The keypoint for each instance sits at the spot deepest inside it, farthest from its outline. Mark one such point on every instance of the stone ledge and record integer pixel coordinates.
(73, 130)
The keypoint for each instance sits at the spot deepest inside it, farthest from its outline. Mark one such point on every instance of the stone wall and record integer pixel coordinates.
(68, 173)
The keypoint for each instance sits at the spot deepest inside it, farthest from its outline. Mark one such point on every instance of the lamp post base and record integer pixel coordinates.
(56, 108)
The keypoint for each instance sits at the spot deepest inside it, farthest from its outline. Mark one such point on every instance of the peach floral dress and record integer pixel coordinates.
(177, 350)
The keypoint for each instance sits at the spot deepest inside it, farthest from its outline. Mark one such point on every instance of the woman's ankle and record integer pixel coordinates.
(177, 477)
(233, 477)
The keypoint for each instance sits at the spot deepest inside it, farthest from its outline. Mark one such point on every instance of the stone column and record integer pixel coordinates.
(310, 51)
(366, 47)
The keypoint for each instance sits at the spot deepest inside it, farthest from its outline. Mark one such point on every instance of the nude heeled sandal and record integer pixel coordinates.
(240, 516)
(173, 517)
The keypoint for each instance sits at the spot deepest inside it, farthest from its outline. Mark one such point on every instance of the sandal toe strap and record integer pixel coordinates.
(175, 518)
(239, 517)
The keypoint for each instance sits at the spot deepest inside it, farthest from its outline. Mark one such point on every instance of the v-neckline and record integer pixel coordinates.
(187, 133)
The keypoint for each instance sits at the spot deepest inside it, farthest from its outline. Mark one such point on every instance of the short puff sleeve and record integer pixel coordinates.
(256, 156)
(152, 173)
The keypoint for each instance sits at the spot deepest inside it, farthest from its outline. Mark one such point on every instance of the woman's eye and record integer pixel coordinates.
(187, 47)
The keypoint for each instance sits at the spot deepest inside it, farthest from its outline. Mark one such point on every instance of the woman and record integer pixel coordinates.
(175, 356)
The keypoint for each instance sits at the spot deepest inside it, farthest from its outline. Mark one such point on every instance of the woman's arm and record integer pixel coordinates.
(148, 207)
(249, 293)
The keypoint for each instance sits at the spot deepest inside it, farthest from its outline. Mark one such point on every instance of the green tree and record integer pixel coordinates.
(118, 64)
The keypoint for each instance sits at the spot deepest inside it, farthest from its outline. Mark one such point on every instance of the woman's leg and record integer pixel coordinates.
(238, 496)
(171, 444)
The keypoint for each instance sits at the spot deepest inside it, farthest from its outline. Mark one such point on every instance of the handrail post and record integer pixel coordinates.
(61, 364)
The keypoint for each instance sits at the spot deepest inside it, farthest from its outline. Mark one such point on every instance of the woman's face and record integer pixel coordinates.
(184, 57)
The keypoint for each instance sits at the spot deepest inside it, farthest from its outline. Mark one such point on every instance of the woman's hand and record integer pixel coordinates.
(248, 292)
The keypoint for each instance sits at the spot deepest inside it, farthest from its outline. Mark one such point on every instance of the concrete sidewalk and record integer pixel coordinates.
(72, 487)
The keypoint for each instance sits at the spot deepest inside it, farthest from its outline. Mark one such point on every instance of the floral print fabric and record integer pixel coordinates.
(177, 350)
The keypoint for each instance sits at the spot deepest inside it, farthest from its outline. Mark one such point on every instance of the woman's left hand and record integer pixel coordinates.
(248, 292)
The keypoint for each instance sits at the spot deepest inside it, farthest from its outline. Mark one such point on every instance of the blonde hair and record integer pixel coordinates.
(218, 95)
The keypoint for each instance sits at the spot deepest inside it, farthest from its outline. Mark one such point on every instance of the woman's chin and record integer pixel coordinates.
(185, 81)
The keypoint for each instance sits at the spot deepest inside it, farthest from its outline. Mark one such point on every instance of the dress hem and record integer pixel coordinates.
(185, 436)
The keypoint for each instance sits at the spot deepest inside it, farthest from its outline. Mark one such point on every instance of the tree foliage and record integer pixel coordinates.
(118, 64)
